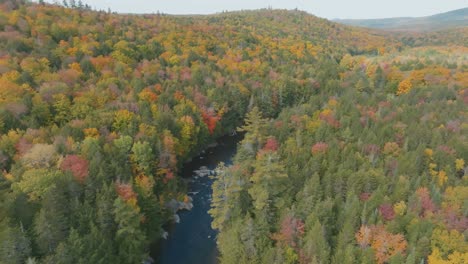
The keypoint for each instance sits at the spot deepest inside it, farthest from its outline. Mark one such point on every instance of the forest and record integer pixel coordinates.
(354, 150)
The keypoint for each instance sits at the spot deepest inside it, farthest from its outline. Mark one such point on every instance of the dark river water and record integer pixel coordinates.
(193, 241)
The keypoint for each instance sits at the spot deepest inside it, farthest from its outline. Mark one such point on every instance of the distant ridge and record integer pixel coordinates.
(451, 19)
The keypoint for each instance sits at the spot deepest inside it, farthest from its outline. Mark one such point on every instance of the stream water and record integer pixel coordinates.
(193, 240)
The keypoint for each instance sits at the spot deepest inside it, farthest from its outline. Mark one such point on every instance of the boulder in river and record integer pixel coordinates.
(186, 205)
(148, 260)
(175, 205)
(176, 218)
(212, 145)
(203, 171)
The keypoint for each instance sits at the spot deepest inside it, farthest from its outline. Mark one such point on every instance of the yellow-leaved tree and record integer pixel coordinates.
(404, 87)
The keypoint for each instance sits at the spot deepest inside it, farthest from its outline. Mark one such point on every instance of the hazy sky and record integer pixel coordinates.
(323, 8)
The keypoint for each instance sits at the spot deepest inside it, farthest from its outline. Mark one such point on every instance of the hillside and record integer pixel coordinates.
(354, 145)
(453, 19)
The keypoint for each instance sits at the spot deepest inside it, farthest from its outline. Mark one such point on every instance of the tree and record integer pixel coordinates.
(105, 218)
(8, 144)
(384, 244)
(61, 108)
(387, 212)
(38, 182)
(40, 112)
(77, 166)
(268, 181)
(40, 156)
(151, 211)
(448, 247)
(51, 224)
(210, 119)
(231, 249)
(87, 248)
(142, 156)
(167, 156)
(226, 194)
(253, 127)
(316, 248)
(319, 147)
(131, 241)
(188, 133)
(404, 87)
(271, 144)
(15, 246)
(291, 231)
(124, 122)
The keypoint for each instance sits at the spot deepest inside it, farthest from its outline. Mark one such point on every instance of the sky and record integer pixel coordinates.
(330, 9)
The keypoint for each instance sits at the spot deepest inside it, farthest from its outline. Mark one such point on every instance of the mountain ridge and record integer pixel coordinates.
(451, 19)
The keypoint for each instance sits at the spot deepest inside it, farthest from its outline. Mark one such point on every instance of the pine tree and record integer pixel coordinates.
(105, 211)
(230, 246)
(15, 246)
(268, 181)
(52, 223)
(316, 248)
(130, 239)
(254, 127)
(226, 194)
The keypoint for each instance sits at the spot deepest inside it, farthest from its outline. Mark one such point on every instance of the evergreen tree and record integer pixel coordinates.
(254, 127)
(52, 222)
(268, 180)
(316, 248)
(226, 195)
(15, 246)
(130, 239)
(105, 211)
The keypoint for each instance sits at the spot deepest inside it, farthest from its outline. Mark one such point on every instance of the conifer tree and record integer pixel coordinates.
(130, 239)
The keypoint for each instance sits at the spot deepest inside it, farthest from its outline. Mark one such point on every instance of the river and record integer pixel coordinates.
(193, 240)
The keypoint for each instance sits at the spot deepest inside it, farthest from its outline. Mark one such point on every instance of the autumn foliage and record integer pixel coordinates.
(271, 144)
(404, 87)
(126, 192)
(292, 229)
(210, 119)
(426, 205)
(387, 212)
(345, 131)
(384, 244)
(319, 147)
(77, 165)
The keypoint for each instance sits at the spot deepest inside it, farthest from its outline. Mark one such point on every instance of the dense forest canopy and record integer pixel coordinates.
(354, 149)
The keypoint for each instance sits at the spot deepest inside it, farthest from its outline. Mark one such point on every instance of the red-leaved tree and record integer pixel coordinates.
(77, 165)
(319, 147)
(386, 210)
(210, 119)
(271, 144)
(291, 230)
